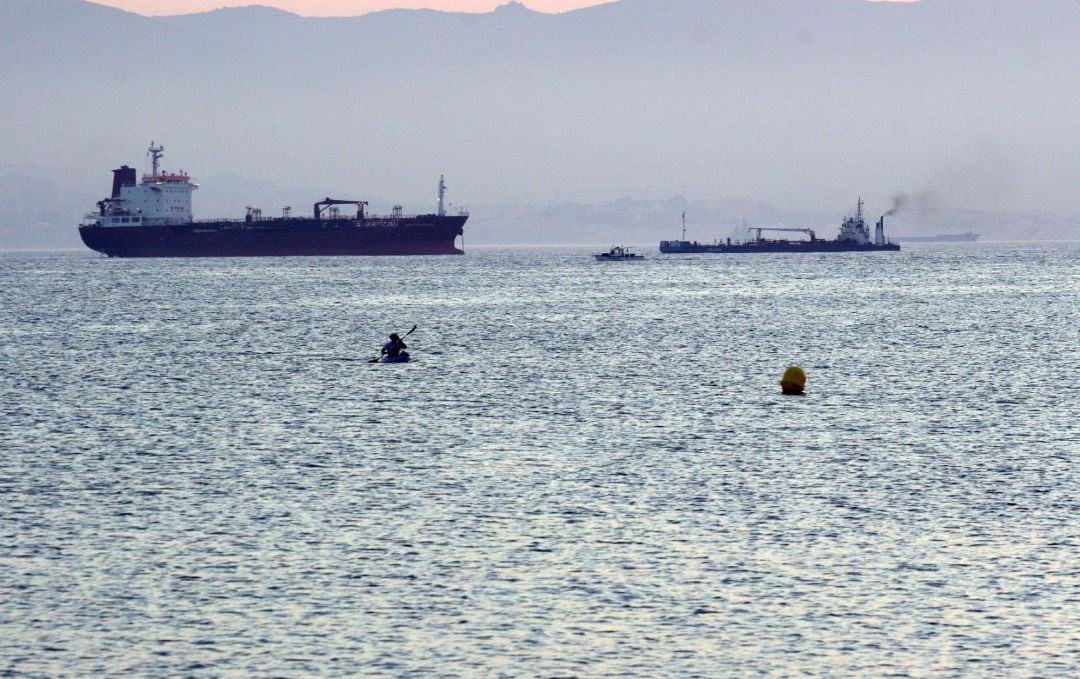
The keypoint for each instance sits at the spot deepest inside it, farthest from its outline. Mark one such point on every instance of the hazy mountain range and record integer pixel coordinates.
(595, 125)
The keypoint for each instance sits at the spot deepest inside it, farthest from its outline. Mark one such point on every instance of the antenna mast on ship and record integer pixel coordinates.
(858, 210)
(156, 152)
(442, 195)
(684, 224)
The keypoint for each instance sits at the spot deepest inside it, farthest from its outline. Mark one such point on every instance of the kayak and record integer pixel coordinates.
(400, 358)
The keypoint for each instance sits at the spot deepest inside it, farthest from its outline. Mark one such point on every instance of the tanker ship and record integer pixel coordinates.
(153, 218)
(854, 237)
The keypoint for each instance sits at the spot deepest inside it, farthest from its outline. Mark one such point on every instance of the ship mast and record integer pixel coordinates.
(684, 224)
(442, 195)
(156, 152)
(858, 210)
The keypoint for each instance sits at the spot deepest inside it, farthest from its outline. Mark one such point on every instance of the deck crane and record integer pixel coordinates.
(327, 202)
(759, 229)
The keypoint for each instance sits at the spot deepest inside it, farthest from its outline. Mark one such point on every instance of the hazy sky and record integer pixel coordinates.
(339, 7)
(802, 108)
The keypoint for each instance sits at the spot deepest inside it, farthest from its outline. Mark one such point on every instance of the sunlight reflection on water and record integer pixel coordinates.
(588, 470)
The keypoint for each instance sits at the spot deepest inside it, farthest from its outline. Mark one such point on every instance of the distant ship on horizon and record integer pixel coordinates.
(966, 237)
(153, 218)
(854, 237)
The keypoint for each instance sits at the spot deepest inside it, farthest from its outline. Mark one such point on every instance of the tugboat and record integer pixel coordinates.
(153, 218)
(616, 253)
(854, 237)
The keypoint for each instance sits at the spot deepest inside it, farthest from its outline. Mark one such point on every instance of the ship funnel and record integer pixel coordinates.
(879, 232)
(125, 176)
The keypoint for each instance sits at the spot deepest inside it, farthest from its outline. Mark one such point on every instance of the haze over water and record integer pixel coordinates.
(589, 470)
(617, 116)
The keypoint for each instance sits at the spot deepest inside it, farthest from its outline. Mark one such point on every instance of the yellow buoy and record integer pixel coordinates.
(793, 381)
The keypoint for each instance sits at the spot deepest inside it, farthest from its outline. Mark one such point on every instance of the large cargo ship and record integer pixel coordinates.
(854, 237)
(153, 218)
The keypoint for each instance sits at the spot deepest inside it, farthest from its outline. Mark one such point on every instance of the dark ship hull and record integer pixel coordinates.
(687, 247)
(419, 235)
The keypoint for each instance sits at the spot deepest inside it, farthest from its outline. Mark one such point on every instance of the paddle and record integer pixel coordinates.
(377, 358)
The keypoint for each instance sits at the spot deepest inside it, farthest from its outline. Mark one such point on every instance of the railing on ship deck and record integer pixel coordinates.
(373, 220)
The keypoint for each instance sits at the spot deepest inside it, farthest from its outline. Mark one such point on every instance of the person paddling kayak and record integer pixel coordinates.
(395, 348)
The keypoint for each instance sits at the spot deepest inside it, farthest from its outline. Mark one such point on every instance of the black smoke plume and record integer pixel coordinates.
(912, 202)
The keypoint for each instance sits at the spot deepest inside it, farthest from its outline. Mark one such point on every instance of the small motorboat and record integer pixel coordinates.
(617, 252)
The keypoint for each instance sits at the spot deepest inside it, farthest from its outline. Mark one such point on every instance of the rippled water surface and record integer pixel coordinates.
(588, 471)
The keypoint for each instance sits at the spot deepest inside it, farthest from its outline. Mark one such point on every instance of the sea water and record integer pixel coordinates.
(589, 469)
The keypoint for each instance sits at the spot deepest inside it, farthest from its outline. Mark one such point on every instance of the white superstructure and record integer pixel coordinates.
(854, 228)
(161, 197)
